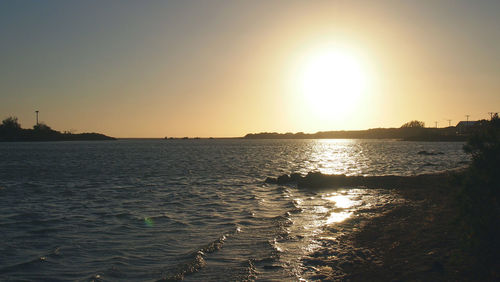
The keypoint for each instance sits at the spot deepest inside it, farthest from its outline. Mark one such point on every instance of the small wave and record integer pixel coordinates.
(43, 231)
(283, 235)
(245, 222)
(214, 246)
(283, 220)
(251, 271)
(122, 215)
(291, 205)
(152, 220)
(275, 243)
(296, 210)
(23, 266)
(270, 260)
(195, 264)
(210, 204)
(196, 260)
(161, 216)
(25, 216)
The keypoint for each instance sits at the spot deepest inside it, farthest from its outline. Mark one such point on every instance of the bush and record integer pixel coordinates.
(479, 206)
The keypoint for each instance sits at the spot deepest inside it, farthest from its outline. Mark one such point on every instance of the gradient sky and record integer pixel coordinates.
(227, 68)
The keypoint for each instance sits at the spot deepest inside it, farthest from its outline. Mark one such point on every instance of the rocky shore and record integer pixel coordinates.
(418, 240)
(317, 180)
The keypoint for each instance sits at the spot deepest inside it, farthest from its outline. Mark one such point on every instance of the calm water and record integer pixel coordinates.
(146, 210)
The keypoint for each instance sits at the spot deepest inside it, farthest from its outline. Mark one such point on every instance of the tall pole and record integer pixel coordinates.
(436, 124)
(36, 117)
(467, 118)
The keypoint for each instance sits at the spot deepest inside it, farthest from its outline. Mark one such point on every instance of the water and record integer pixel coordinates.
(144, 210)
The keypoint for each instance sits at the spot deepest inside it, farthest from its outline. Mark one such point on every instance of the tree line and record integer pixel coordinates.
(11, 130)
(412, 131)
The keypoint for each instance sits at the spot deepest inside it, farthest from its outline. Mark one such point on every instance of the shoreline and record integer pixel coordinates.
(418, 239)
(419, 133)
(317, 180)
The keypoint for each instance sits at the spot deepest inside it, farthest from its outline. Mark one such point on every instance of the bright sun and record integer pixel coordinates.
(333, 81)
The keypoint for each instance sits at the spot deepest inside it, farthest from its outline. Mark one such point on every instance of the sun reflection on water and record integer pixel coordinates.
(341, 201)
(338, 217)
(321, 217)
(336, 156)
(324, 216)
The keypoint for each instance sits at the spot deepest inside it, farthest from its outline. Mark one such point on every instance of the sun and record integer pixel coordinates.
(333, 81)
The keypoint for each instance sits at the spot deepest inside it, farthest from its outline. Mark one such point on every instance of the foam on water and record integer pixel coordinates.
(193, 209)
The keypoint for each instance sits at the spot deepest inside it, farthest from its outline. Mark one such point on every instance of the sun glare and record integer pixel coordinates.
(333, 81)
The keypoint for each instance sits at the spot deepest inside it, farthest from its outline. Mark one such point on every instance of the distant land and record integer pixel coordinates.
(411, 131)
(11, 131)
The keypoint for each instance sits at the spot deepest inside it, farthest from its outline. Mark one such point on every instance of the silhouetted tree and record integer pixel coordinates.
(42, 127)
(414, 124)
(9, 129)
(11, 123)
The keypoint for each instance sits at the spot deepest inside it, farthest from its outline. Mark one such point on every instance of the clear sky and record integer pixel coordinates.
(227, 68)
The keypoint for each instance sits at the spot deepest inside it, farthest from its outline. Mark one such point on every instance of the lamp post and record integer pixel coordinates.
(36, 117)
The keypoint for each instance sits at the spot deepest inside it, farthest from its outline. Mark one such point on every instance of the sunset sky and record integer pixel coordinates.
(227, 68)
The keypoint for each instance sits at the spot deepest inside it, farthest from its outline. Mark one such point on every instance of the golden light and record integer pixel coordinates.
(333, 81)
(341, 201)
(338, 217)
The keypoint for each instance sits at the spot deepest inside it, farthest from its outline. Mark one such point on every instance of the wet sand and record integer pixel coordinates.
(418, 240)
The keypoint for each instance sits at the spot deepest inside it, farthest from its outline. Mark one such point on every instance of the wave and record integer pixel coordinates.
(31, 263)
(196, 260)
(191, 266)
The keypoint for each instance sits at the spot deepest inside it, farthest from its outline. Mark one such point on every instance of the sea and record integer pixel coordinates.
(193, 210)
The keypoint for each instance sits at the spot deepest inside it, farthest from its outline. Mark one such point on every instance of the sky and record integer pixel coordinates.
(227, 68)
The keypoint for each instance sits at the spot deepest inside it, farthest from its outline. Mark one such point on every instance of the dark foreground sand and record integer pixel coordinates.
(419, 240)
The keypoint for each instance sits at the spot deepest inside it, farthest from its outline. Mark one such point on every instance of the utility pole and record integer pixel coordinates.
(436, 124)
(36, 117)
(467, 118)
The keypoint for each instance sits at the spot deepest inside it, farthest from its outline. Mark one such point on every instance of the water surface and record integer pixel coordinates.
(142, 210)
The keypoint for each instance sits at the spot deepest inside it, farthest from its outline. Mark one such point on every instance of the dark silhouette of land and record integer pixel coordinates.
(410, 131)
(11, 131)
(446, 230)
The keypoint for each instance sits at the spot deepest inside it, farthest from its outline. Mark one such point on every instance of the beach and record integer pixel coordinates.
(418, 239)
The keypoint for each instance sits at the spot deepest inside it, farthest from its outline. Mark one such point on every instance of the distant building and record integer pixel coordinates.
(463, 126)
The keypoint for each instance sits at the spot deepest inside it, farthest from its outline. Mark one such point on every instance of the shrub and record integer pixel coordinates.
(479, 206)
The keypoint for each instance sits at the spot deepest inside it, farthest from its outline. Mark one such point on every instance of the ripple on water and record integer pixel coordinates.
(133, 209)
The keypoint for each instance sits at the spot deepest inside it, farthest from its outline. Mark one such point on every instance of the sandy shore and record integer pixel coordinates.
(418, 240)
